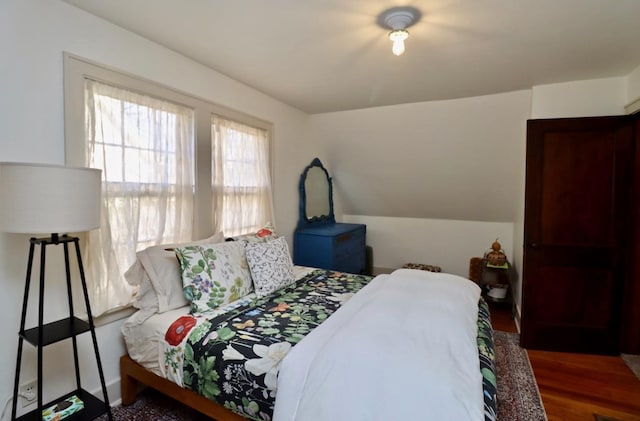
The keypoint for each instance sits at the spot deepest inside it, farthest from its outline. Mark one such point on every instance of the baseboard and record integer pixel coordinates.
(516, 317)
(113, 390)
(599, 417)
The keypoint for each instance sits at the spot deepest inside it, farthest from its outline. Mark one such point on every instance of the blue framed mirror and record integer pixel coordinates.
(316, 196)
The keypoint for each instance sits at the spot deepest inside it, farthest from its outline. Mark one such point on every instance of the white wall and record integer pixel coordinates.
(33, 36)
(586, 98)
(457, 159)
(435, 182)
(440, 242)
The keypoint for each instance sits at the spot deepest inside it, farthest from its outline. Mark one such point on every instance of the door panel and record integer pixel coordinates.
(576, 200)
(588, 288)
(576, 228)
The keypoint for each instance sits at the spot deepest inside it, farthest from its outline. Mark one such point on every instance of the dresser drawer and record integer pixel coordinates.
(340, 247)
(350, 243)
(355, 263)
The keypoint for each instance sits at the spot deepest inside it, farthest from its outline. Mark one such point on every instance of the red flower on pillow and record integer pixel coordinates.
(179, 329)
(264, 233)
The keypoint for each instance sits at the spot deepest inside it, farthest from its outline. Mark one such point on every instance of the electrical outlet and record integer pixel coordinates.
(28, 392)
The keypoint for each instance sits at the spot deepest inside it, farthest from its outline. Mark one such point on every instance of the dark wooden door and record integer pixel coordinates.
(577, 236)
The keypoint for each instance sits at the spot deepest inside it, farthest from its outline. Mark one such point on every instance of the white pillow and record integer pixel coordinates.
(145, 297)
(214, 274)
(157, 272)
(270, 265)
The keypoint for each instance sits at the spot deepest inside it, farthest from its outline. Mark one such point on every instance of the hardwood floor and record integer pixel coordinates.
(575, 386)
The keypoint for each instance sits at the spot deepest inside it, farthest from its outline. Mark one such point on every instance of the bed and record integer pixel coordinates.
(328, 345)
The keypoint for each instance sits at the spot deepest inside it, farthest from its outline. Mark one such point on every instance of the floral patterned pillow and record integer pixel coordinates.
(270, 264)
(263, 235)
(214, 274)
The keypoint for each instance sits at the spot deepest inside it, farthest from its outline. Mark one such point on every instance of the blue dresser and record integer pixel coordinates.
(334, 246)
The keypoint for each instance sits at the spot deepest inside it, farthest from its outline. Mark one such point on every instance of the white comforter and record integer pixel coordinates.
(403, 348)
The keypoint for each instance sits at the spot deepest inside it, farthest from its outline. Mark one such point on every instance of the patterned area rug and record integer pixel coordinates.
(518, 397)
(633, 362)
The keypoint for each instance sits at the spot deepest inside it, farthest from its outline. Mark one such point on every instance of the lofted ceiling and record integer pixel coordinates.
(331, 55)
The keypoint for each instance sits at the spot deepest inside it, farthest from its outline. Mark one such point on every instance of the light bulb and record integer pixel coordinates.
(398, 36)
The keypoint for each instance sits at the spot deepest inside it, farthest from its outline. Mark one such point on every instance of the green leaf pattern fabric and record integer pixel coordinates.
(234, 358)
(487, 358)
(214, 274)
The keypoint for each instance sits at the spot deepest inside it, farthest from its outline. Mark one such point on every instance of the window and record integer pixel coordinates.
(145, 149)
(241, 183)
(155, 189)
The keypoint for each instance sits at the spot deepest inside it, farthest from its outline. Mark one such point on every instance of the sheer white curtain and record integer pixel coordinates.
(145, 148)
(241, 177)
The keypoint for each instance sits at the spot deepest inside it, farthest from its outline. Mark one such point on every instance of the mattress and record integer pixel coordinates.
(241, 373)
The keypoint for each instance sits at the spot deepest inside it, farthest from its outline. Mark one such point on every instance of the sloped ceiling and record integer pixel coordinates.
(460, 159)
(331, 55)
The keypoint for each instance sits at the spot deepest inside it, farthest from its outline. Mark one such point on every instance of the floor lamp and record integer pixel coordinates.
(53, 200)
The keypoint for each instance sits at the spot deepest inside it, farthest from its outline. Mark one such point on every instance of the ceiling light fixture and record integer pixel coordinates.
(398, 19)
(398, 36)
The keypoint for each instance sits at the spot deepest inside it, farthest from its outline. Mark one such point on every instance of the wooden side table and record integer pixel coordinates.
(495, 282)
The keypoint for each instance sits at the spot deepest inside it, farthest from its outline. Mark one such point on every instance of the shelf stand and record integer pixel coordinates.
(46, 334)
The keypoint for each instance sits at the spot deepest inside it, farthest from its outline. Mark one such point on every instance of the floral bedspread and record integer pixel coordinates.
(487, 362)
(234, 358)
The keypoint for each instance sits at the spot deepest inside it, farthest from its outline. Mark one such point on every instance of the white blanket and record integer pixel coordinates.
(403, 348)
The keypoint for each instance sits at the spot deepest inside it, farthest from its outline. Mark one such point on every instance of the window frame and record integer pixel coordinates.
(77, 69)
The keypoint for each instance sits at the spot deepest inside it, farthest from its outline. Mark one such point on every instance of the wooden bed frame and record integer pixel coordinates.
(133, 374)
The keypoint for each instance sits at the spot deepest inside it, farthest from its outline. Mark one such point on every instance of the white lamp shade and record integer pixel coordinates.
(48, 199)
